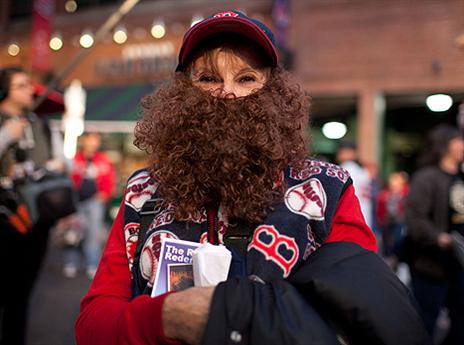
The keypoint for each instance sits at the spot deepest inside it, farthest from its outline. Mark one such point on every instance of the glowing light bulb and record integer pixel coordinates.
(86, 40)
(70, 6)
(13, 49)
(334, 130)
(439, 102)
(120, 35)
(158, 29)
(56, 43)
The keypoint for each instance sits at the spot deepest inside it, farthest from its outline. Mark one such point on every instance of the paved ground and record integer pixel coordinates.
(55, 303)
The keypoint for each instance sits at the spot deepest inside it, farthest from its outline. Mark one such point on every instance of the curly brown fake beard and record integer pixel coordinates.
(206, 151)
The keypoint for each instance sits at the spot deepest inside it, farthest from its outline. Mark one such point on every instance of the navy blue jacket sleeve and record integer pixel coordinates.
(342, 291)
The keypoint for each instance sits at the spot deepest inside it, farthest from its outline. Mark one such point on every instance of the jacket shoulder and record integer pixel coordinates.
(324, 171)
(139, 188)
(426, 173)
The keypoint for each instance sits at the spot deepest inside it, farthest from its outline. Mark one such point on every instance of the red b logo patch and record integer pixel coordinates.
(278, 248)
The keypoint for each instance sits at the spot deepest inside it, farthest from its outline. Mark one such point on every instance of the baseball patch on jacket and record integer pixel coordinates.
(139, 189)
(307, 199)
(150, 254)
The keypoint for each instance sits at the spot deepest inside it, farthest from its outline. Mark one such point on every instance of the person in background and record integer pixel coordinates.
(24, 147)
(228, 156)
(347, 157)
(93, 176)
(434, 209)
(376, 186)
(390, 212)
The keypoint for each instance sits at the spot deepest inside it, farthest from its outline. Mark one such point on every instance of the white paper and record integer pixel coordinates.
(210, 264)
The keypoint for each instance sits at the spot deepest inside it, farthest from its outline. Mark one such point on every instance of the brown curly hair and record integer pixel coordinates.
(206, 151)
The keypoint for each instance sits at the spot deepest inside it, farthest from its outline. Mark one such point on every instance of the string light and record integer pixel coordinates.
(56, 43)
(70, 6)
(13, 49)
(158, 29)
(86, 40)
(120, 34)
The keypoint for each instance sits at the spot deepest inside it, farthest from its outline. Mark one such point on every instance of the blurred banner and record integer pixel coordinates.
(281, 18)
(42, 16)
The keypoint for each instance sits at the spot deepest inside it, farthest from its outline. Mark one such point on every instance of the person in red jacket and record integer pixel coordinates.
(390, 214)
(226, 143)
(93, 176)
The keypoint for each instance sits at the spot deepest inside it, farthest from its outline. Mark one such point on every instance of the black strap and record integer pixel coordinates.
(149, 210)
(238, 236)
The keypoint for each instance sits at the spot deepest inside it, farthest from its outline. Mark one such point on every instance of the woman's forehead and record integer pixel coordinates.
(235, 55)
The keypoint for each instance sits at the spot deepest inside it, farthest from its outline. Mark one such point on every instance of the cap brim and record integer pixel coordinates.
(236, 25)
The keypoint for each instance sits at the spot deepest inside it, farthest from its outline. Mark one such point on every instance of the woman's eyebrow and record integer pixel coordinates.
(202, 70)
(247, 69)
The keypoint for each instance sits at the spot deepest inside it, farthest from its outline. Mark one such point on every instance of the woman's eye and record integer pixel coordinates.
(207, 79)
(247, 78)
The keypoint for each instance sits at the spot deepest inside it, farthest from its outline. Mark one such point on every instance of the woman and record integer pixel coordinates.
(227, 153)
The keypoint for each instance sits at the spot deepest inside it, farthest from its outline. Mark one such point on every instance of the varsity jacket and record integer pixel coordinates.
(319, 207)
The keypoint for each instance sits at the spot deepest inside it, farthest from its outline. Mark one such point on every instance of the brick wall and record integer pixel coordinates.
(391, 45)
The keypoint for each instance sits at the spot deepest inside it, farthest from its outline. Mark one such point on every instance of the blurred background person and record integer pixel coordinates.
(24, 146)
(431, 214)
(374, 190)
(347, 157)
(390, 212)
(94, 178)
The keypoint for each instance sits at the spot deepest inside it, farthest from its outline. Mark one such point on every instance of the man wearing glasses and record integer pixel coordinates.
(24, 146)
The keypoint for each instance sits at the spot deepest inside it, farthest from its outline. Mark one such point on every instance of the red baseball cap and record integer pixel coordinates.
(228, 22)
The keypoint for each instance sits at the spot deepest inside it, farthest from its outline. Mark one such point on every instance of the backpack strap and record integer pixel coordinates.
(238, 236)
(149, 210)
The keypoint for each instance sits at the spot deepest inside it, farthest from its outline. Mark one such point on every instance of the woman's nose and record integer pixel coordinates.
(228, 90)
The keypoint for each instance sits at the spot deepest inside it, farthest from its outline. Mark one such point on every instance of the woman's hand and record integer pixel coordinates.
(185, 314)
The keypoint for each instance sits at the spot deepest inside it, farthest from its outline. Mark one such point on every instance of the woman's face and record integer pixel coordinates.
(229, 72)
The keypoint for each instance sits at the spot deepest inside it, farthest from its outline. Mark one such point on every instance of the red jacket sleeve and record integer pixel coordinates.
(348, 223)
(108, 315)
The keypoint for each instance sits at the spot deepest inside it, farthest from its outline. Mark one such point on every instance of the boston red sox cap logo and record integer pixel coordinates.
(225, 14)
(280, 249)
(307, 199)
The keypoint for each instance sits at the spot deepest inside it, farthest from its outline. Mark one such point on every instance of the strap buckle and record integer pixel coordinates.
(152, 206)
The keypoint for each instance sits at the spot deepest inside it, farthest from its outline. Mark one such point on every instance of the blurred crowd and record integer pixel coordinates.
(419, 224)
